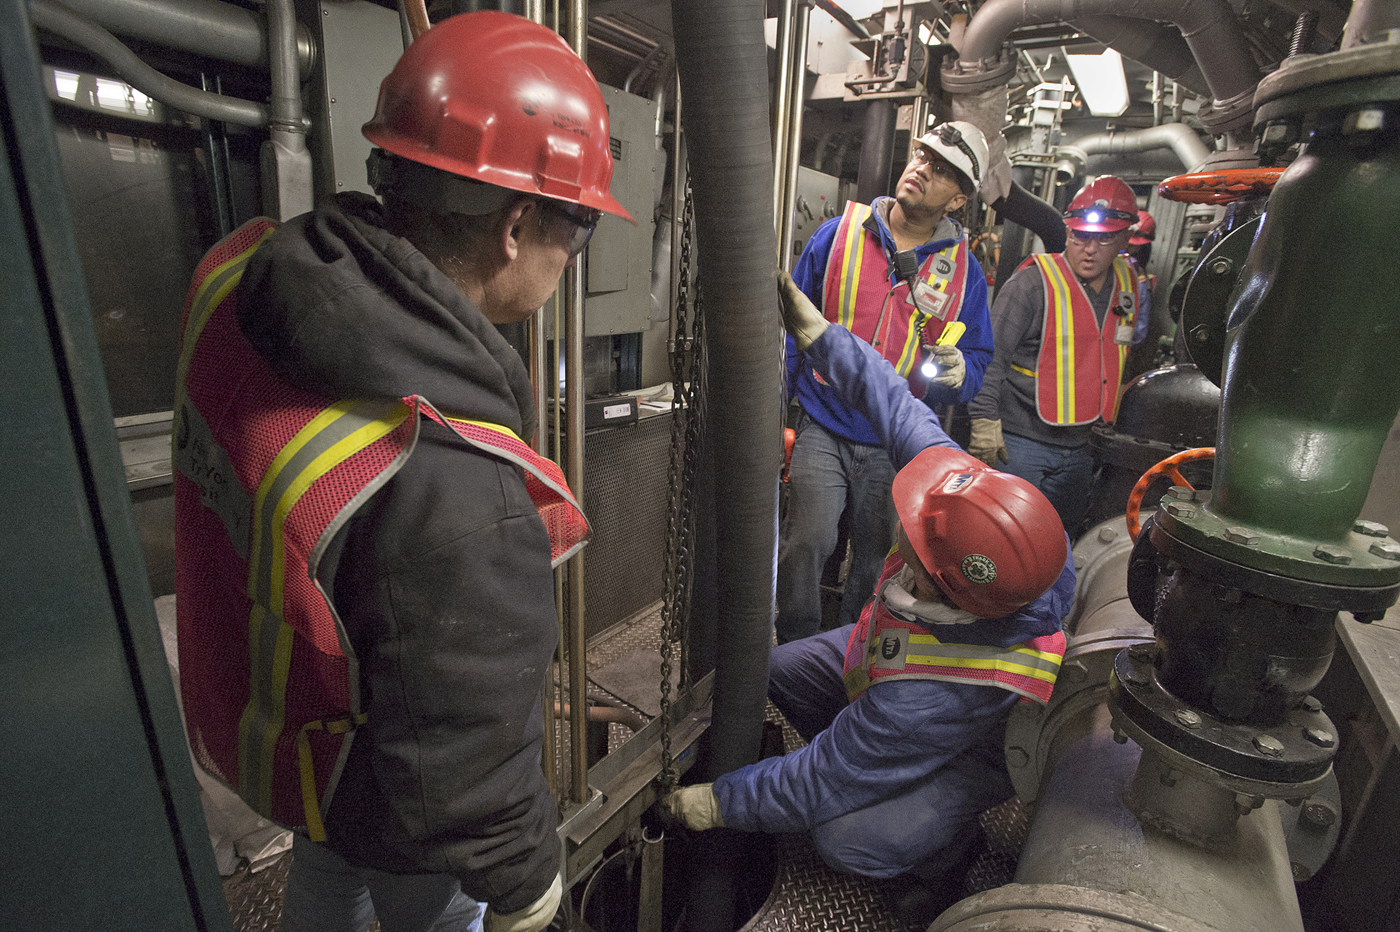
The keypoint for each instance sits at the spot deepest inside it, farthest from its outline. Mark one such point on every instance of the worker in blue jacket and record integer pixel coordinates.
(905, 711)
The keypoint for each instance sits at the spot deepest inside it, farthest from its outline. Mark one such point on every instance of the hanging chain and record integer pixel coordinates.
(687, 378)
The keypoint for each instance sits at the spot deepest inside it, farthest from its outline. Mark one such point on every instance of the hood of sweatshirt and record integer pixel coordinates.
(339, 306)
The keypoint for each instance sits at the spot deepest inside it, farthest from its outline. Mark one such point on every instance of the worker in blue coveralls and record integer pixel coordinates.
(895, 273)
(905, 711)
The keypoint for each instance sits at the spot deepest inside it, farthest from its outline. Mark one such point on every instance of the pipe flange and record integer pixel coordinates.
(1229, 115)
(1305, 83)
(1287, 760)
(973, 77)
(1018, 907)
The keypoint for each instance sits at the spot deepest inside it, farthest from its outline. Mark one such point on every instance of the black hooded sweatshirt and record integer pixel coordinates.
(442, 579)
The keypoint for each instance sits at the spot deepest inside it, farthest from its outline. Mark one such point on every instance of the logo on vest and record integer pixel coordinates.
(943, 266)
(979, 569)
(889, 647)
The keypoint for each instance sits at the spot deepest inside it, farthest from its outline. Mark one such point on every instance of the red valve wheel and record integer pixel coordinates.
(1165, 468)
(1219, 187)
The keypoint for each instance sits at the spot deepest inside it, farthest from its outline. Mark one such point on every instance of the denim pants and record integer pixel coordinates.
(829, 474)
(921, 825)
(325, 893)
(1063, 475)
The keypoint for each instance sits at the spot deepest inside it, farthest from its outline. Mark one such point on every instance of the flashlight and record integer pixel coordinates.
(949, 337)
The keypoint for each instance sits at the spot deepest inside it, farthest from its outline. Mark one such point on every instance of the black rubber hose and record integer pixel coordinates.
(876, 151)
(1042, 219)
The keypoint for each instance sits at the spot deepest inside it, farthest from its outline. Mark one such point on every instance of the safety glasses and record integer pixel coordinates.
(1085, 236)
(581, 222)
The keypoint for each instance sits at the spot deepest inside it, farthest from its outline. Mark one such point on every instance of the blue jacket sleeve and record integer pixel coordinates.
(867, 382)
(976, 344)
(889, 739)
(808, 275)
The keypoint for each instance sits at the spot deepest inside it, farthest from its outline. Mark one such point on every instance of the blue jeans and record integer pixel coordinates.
(828, 475)
(1063, 475)
(325, 893)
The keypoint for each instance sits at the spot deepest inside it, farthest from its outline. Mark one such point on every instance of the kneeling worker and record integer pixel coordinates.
(905, 711)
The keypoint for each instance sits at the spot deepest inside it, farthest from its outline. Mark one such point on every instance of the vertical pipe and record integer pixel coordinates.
(649, 892)
(797, 94)
(781, 136)
(873, 178)
(286, 163)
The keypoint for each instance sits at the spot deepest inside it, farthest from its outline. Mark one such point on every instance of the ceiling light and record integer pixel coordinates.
(1100, 79)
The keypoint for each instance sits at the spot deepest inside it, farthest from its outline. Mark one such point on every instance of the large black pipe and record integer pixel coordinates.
(723, 66)
(876, 151)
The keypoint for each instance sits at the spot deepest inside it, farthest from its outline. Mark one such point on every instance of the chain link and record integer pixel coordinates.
(687, 388)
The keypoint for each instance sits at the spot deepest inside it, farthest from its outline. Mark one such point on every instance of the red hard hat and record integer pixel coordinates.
(1144, 231)
(1104, 205)
(991, 540)
(498, 98)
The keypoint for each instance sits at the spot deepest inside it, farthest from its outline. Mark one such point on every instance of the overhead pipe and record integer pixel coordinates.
(876, 151)
(723, 66)
(208, 28)
(54, 18)
(286, 162)
(1159, 46)
(1180, 138)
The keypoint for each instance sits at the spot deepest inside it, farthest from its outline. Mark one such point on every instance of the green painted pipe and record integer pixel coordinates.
(1312, 369)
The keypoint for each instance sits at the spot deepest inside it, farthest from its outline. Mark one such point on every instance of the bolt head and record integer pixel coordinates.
(1178, 510)
(1268, 745)
(1320, 737)
(1187, 719)
(1318, 813)
(1120, 737)
(1107, 535)
(1311, 704)
(1370, 528)
(1170, 778)
(1334, 555)
(1017, 757)
(1386, 550)
(1241, 535)
(1222, 266)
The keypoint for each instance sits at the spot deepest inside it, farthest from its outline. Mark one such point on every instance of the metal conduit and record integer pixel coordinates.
(797, 93)
(1178, 137)
(51, 17)
(209, 28)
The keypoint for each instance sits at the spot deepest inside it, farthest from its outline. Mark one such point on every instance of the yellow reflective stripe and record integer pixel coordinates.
(315, 828)
(210, 294)
(909, 354)
(487, 425)
(1035, 671)
(328, 439)
(1065, 408)
(1048, 660)
(853, 257)
(1022, 370)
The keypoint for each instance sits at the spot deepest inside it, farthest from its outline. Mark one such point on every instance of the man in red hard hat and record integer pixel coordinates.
(364, 539)
(1139, 252)
(1063, 325)
(905, 710)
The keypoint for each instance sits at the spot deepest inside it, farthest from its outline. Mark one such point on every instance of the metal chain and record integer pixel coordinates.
(687, 378)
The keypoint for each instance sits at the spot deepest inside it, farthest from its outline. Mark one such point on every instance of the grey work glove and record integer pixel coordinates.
(986, 443)
(532, 918)
(800, 316)
(695, 807)
(951, 368)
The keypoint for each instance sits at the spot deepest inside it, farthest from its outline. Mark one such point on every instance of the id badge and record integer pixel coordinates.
(930, 300)
(1123, 334)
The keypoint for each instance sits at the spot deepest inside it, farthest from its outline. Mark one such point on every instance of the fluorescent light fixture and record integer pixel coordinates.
(1100, 80)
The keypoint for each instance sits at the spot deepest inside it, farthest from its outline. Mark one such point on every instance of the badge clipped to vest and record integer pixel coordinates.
(930, 300)
(1123, 334)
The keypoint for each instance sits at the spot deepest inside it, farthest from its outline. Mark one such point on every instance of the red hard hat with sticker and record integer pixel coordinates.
(498, 98)
(1104, 205)
(992, 540)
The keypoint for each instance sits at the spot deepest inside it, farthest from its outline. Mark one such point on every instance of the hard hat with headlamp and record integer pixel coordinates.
(961, 145)
(1104, 205)
(495, 98)
(991, 540)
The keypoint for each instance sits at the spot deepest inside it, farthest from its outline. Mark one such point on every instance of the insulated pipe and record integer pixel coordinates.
(1178, 137)
(205, 27)
(54, 18)
(723, 67)
(1159, 46)
(873, 175)
(1209, 27)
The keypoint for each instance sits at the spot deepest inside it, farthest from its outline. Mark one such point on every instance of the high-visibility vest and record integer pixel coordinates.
(1081, 362)
(884, 647)
(265, 475)
(858, 267)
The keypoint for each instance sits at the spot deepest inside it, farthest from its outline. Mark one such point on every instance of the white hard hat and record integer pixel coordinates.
(962, 145)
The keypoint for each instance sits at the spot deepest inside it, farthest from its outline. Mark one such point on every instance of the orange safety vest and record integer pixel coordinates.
(857, 265)
(1081, 363)
(883, 647)
(265, 475)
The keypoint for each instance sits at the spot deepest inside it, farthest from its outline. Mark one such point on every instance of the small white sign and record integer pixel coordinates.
(612, 411)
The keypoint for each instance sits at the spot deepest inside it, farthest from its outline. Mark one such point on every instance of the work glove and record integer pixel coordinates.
(986, 443)
(951, 368)
(800, 316)
(532, 918)
(695, 807)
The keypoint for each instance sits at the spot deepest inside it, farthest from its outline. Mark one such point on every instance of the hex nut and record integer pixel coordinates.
(1386, 550)
(1320, 737)
(1268, 745)
(1241, 535)
(1179, 511)
(1311, 704)
(1187, 719)
(1222, 266)
(1370, 528)
(1333, 555)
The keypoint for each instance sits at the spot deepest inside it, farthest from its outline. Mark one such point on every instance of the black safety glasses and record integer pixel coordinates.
(582, 221)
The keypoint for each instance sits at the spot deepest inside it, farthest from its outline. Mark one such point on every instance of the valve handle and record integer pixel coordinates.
(1166, 467)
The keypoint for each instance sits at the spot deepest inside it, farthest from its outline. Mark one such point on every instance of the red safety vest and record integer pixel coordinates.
(265, 475)
(883, 647)
(858, 266)
(1081, 363)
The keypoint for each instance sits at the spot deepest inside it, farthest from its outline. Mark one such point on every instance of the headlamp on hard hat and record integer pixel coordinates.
(950, 135)
(1097, 214)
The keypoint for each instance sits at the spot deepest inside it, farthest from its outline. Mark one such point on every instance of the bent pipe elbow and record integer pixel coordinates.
(1042, 219)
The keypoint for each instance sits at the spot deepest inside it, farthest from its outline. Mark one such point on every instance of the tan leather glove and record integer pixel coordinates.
(532, 918)
(695, 807)
(951, 367)
(986, 443)
(800, 316)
